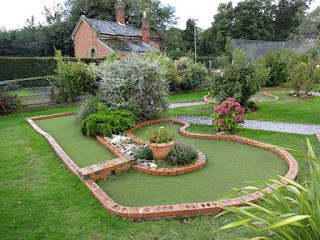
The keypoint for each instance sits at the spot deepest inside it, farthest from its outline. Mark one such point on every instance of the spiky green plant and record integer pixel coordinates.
(289, 212)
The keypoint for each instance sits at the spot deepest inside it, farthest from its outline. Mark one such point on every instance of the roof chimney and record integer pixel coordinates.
(145, 28)
(120, 11)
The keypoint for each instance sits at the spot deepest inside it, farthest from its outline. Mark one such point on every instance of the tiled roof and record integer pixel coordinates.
(126, 45)
(114, 28)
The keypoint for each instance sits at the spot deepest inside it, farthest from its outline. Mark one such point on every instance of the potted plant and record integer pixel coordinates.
(160, 142)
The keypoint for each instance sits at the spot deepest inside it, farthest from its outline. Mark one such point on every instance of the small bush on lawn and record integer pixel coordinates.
(136, 84)
(190, 74)
(182, 154)
(8, 103)
(241, 80)
(144, 153)
(228, 115)
(289, 212)
(74, 78)
(89, 107)
(107, 123)
(304, 76)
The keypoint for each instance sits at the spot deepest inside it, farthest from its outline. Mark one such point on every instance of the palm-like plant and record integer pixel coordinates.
(290, 212)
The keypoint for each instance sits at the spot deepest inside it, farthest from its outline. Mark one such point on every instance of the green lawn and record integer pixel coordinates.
(84, 151)
(229, 164)
(186, 97)
(286, 109)
(41, 199)
(20, 92)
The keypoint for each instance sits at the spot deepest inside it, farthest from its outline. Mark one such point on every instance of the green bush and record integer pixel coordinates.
(181, 154)
(304, 76)
(278, 65)
(144, 153)
(74, 78)
(289, 212)
(8, 103)
(241, 79)
(190, 74)
(136, 84)
(89, 107)
(107, 123)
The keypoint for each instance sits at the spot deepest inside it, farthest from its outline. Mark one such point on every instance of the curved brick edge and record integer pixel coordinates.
(172, 171)
(205, 98)
(178, 210)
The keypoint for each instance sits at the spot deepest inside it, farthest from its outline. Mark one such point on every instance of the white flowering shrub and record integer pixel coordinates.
(136, 84)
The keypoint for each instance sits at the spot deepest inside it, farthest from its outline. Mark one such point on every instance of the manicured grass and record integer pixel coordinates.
(258, 97)
(286, 109)
(83, 150)
(229, 164)
(41, 199)
(20, 92)
(186, 97)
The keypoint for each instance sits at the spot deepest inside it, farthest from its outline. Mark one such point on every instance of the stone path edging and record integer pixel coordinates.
(178, 210)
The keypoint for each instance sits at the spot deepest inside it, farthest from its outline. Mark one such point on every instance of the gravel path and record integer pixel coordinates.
(260, 125)
(185, 104)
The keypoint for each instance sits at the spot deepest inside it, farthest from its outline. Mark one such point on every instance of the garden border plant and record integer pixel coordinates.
(122, 163)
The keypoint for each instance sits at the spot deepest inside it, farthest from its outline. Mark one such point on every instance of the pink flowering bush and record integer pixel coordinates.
(8, 103)
(228, 115)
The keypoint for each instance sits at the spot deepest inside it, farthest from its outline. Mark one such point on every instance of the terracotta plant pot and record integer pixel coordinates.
(161, 150)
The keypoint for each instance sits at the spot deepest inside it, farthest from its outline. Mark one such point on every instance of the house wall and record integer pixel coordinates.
(85, 40)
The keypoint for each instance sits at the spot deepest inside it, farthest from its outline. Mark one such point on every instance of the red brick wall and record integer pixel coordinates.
(85, 39)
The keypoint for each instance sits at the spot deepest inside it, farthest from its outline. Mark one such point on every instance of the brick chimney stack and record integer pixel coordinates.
(145, 28)
(120, 11)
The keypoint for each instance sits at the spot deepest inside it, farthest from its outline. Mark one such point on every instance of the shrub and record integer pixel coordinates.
(8, 103)
(136, 84)
(144, 153)
(73, 78)
(241, 80)
(181, 154)
(159, 135)
(228, 115)
(190, 74)
(89, 107)
(289, 212)
(107, 123)
(278, 65)
(304, 76)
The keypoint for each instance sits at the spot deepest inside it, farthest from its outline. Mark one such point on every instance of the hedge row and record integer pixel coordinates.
(27, 67)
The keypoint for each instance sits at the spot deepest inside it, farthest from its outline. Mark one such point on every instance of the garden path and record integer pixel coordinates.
(297, 128)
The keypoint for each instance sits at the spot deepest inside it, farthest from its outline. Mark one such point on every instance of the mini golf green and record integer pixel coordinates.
(83, 150)
(257, 97)
(229, 164)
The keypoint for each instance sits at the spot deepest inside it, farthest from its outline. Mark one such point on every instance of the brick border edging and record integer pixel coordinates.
(172, 171)
(205, 98)
(178, 210)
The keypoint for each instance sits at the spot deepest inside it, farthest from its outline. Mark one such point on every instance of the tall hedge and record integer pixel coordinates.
(27, 67)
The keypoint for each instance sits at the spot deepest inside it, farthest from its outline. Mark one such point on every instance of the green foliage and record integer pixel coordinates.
(241, 79)
(89, 107)
(278, 65)
(290, 212)
(159, 135)
(190, 74)
(26, 67)
(304, 76)
(73, 77)
(107, 123)
(8, 103)
(144, 153)
(182, 154)
(136, 84)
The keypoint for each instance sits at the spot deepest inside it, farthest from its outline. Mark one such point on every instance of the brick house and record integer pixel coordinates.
(99, 38)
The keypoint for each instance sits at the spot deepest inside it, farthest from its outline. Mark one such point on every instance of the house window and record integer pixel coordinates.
(93, 53)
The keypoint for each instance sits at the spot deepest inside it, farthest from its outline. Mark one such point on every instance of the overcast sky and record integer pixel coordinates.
(13, 13)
